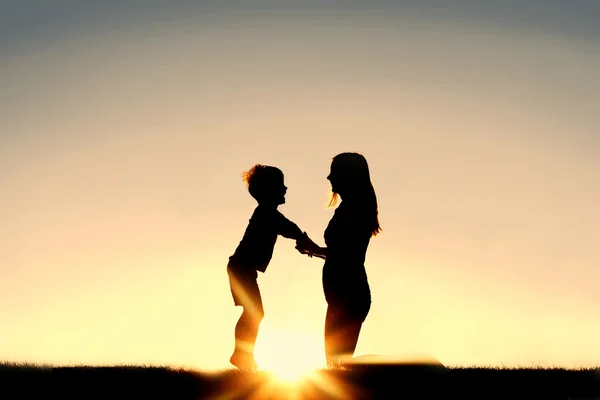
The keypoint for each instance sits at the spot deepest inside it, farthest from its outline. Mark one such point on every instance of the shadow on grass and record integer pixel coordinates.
(366, 381)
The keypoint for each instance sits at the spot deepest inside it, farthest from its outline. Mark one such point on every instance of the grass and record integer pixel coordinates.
(25, 381)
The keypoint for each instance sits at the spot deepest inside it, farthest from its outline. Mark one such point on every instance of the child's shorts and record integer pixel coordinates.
(244, 288)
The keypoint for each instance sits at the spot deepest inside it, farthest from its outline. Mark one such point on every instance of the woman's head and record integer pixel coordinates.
(349, 174)
(350, 179)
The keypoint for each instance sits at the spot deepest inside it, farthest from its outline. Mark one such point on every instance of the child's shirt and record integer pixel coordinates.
(256, 247)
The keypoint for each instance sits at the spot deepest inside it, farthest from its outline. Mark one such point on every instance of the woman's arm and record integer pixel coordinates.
(320, 252)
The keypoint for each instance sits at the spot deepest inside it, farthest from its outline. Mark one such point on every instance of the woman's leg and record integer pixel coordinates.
(342, 329)
(350, 332)
(332, 327)
(341, 335)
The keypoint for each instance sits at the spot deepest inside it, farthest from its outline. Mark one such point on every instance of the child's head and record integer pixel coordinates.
(265, 184)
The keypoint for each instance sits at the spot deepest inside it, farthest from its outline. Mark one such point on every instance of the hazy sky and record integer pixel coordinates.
(124, 130)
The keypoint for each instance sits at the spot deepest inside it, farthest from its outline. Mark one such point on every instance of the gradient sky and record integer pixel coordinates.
(124, 130)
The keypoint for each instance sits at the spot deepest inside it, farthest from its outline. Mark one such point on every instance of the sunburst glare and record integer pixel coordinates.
(288, 356)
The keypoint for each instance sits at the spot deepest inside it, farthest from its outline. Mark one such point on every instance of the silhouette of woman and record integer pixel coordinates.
(347, 237)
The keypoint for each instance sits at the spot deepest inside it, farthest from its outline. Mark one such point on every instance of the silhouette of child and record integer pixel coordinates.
(254, 252)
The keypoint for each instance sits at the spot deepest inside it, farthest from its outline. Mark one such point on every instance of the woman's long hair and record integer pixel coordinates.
(352, 172)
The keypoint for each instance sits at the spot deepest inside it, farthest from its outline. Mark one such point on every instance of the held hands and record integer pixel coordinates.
(305, 245)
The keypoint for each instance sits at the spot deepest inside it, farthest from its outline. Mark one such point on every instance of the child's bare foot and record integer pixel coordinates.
(243, 362)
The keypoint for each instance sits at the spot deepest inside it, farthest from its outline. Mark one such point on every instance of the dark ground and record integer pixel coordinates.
(360, 382)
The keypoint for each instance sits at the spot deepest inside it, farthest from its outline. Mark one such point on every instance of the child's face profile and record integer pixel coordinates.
(277, 190)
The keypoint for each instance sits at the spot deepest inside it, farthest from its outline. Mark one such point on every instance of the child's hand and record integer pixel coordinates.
(305, 245)
(301, 244)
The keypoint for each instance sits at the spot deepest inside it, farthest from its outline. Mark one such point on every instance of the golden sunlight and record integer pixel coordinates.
(290, 357)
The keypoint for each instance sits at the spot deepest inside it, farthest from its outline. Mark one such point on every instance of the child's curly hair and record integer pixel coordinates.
(258, 179)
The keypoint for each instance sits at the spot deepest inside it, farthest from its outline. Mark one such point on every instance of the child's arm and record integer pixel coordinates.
(290, 230)
(287, 228)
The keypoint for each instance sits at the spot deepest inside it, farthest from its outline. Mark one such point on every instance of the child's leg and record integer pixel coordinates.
(246, 293)
(246, 329)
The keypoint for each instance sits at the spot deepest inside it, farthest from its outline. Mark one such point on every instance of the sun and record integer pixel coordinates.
(289, 357)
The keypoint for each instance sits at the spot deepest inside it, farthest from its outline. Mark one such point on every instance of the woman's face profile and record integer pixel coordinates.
(334, 179)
